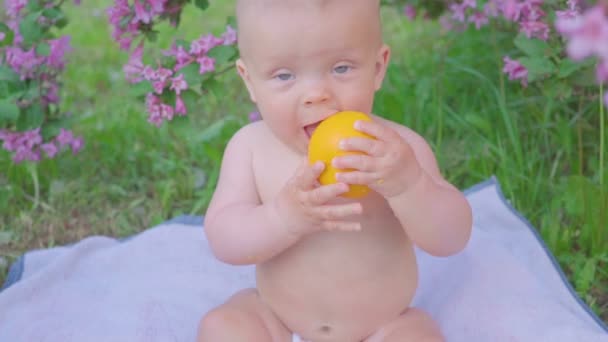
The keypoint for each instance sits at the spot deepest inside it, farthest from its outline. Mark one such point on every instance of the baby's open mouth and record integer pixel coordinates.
(309, 129)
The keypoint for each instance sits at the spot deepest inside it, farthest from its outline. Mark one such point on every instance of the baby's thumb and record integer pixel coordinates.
(307, 174)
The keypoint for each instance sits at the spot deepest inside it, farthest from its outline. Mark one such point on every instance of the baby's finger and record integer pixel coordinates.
(344, 226)
(376, 130)
(361, 162)
(324, 193)
(357, 177)
(306, 175)
(337, 211)
(372, 147)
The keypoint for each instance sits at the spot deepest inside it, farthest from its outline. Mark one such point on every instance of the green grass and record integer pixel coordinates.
(132, 175)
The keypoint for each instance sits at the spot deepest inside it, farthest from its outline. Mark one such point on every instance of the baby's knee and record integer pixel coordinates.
(226, 323)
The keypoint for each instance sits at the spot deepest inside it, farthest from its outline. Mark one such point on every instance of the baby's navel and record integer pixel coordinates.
(325, 329)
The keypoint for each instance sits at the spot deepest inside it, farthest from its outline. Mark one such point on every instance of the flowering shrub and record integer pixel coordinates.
(32, 125)
(31, 62)
(185, 71)
(584, 29)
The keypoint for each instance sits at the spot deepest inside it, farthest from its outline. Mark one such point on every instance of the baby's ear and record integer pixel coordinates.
(384, 56)
(242, 70)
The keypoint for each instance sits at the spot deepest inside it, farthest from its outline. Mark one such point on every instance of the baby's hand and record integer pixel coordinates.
(302, 204)
(387, 165)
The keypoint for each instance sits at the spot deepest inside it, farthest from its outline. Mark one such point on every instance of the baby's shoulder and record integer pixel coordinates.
(250, 136)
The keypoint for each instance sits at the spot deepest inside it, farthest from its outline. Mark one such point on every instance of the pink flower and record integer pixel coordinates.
(207, 64)
(511, 10)
(163, 74)
(205, 43)
(59, 47)
(535, 29)
(458, 12)
(76, 145)
(157, 6)
(491, 8)
(573, 4)
(409, 12)
(149, 73)
(602, 71)
(182, 57)
(469, 4)
(479, 18)
(254, 116)
(566, 14)
(515, 70)
(446, 23)
(141, 15)
(2, 36)
(230, 36)
(13, 7)
(178, 84)
(158, 86)
(64, 137)
(587, 34)
(49, 149)
(180, 106)
(51, 94)
(134, 68)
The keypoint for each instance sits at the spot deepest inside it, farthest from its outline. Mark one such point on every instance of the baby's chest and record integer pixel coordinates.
(272, 170)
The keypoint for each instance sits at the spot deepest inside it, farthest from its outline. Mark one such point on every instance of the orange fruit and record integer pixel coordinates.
(324, 146)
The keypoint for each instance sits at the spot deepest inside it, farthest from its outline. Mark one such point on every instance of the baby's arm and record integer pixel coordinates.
(243, 230)
(435, 214)
(239, 228)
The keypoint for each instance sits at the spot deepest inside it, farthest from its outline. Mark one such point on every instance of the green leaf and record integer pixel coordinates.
(567, 67)
(212, 131)
(558, 89)
(6, 237)
(191, 74)
(52, 128)
(141, 89)
(183, 43)
(190, 98)
(531, 46)
(34, 6)
(30, 29)
(9, 112)
(43, 49)
(222, 53)
(202, 4)
(586, 276)
(53, 13)
(8, 35)
(8, 75)
(537, 67)
(231, 21)
(214, 87)
(151, 35)
(31, 118)
(61, 23)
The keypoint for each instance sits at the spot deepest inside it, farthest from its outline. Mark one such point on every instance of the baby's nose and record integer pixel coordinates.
(317, 94)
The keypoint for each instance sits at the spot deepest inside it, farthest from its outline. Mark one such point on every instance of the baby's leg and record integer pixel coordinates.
(413, 325)
(244, 317)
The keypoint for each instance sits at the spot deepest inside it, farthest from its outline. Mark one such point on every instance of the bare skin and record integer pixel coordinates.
(328, 268)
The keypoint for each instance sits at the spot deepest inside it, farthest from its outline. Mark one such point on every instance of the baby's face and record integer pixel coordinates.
(301, 63)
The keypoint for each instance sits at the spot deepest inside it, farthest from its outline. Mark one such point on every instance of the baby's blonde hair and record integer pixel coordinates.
(245, 7)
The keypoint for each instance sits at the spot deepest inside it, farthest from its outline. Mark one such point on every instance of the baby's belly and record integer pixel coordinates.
(341, 286)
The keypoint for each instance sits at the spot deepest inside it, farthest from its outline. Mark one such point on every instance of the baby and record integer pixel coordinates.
(328, 268)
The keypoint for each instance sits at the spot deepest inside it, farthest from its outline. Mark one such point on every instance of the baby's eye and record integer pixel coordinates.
(284, 76)
(341, 69)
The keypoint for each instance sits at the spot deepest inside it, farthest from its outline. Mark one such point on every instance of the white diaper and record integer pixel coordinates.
(296, 338)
